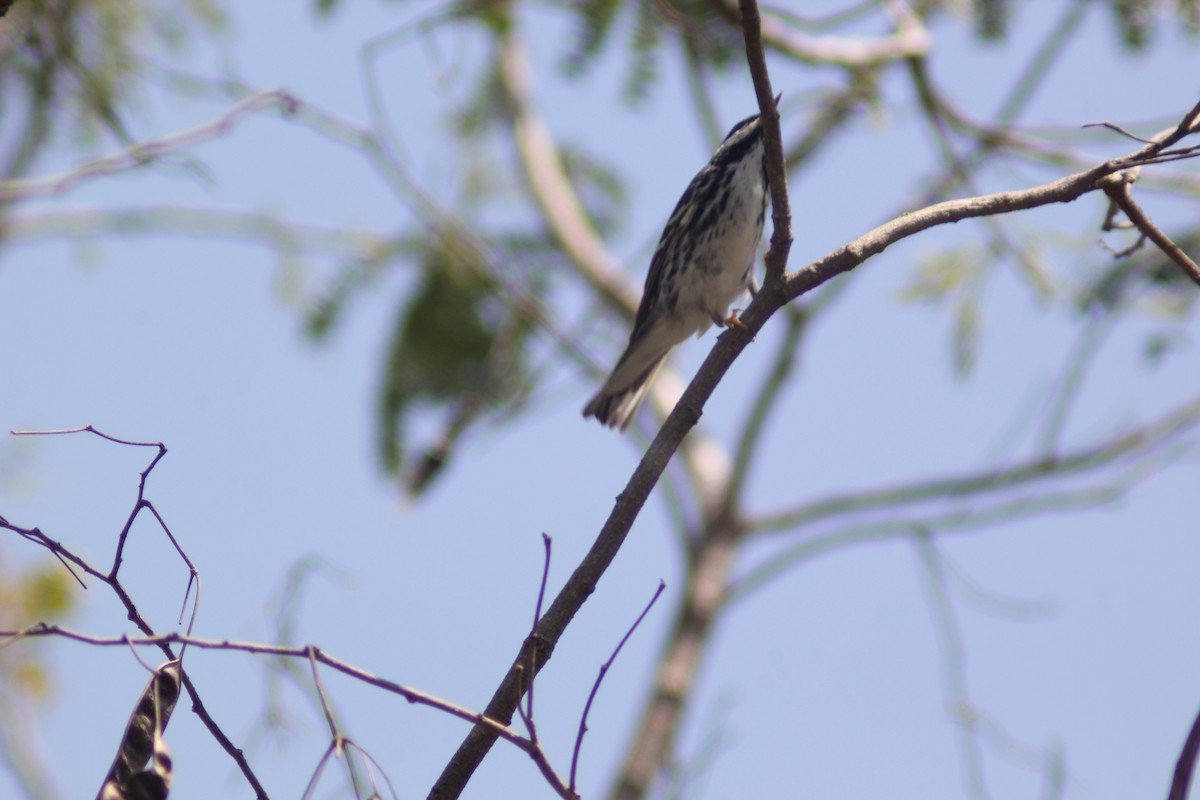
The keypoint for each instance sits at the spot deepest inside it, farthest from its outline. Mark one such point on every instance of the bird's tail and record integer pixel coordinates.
(616, 406)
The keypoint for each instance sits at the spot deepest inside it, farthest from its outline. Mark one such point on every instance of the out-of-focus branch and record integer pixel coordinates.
(267, 229)
(1031, 78)
(958, 171)
(765, 400)
(958, 521)
(1129, 444)
(1070, 380)
(679, 665)
(909, 39)
(954, 673)
(552, 190)
(144, 152)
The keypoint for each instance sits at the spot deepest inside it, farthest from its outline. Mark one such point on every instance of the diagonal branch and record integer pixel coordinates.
(1117, 189)
(689, 409)
(629, 503)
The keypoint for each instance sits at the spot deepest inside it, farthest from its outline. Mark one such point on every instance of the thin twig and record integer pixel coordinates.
(1112, 126)
(583, 728)
(113, 582)
(537, 615)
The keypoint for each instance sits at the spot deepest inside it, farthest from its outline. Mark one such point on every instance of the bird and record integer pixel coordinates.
(703, 262)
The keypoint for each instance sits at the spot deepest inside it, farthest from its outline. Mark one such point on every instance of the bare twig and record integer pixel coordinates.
(1112, 126)
(845, 258)
(604, 668)
(306, 652)
(112, 580)
(537, 615)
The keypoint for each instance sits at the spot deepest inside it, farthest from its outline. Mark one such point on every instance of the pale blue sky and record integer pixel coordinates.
(828, 684)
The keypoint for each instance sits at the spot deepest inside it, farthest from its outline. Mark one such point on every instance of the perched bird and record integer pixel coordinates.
(703, 262)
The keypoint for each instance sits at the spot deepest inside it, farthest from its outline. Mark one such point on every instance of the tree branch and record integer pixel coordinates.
(1117, 189)
(144, 152)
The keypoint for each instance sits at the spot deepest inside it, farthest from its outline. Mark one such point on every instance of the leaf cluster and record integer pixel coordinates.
(1137, 21)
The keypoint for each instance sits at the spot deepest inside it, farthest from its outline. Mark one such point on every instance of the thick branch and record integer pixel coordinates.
(690, 407)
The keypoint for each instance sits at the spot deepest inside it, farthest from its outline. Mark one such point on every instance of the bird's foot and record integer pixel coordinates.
(733, 321)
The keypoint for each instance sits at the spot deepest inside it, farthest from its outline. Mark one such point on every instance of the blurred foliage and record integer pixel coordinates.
(944, 274)
(359, 274)
(991, 18)
(1147, 276)
(710, 37)
(42, 593)
(955, 276)
(457, 347)
(1136, 20)
(70, 65)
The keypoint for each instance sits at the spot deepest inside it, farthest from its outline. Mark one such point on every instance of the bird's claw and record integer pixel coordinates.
(734, 322)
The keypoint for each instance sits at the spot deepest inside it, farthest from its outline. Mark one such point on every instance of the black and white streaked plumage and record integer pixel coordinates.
(704, 261)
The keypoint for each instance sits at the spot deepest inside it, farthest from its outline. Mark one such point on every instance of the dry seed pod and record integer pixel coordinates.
(128, 778)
